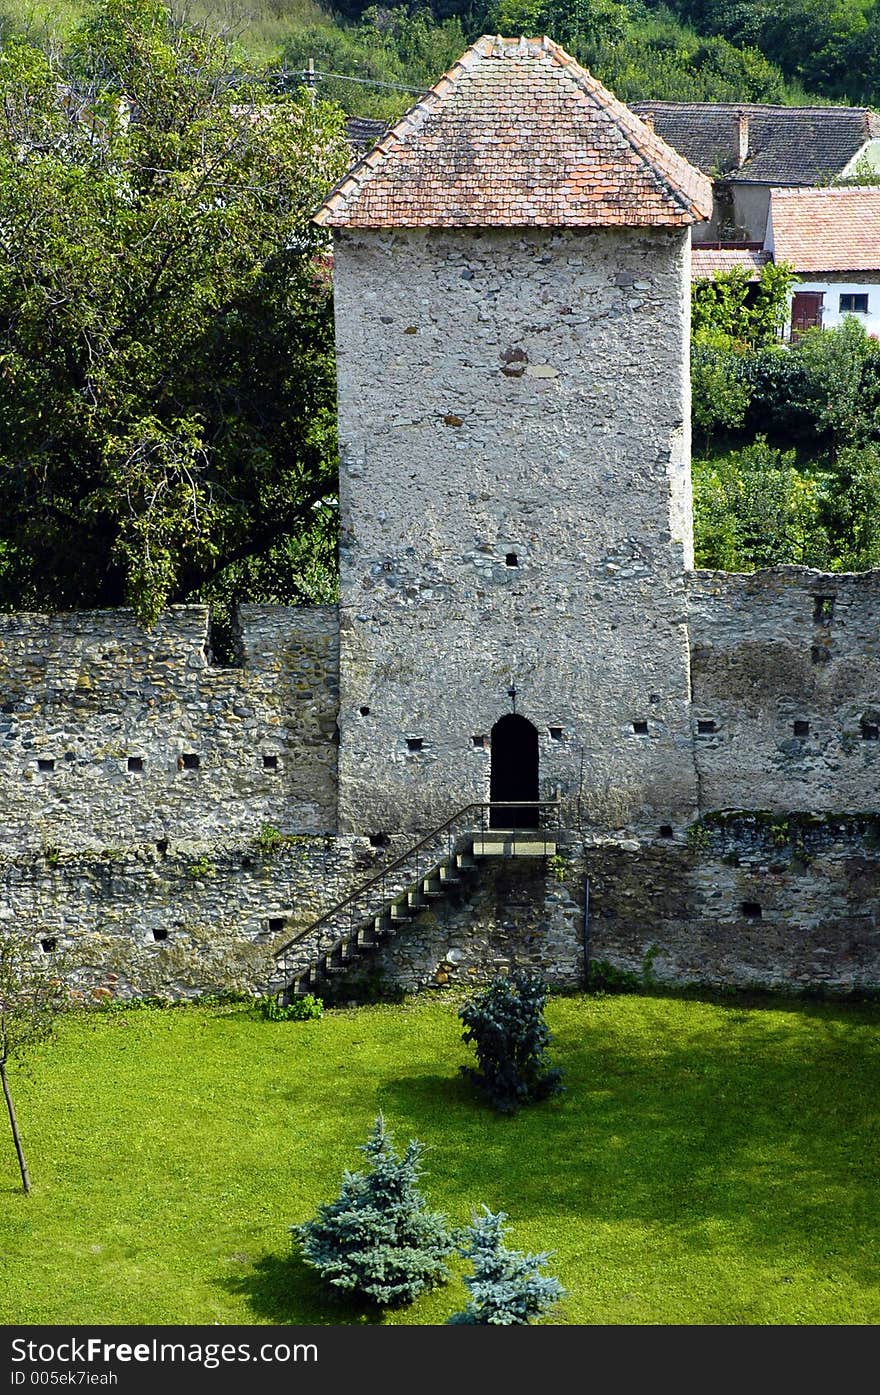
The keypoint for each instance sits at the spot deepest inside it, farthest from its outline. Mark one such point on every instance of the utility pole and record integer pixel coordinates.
(311, 80)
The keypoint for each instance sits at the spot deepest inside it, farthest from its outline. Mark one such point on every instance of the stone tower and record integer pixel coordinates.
(512, 307)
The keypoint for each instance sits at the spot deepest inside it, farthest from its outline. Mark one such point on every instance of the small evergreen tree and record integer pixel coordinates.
(377, 1240)
(506, 1287)
(506, 1025)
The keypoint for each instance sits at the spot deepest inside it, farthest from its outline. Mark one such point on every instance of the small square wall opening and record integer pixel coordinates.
(379, 840)
(160, 934)
(479, 742)
(557, 733)
(870, 730)
(270, 762)
(49, 944)
(823, 609)
(666, 830)
(364, 711)
(276, 924)
(511, 560)
(45, 765)
(707, 727)
(751, 910)
(136, 763)
(640, 728)
(414, 743)
(801, 728)
(190, 761)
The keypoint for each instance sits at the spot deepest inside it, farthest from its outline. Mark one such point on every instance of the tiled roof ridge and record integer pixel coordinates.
(645, 104)
(794, 191)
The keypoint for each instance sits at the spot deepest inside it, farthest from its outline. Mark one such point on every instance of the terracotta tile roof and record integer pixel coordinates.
(706, 261)
(826, 229)
(517, 134)
(786, 145)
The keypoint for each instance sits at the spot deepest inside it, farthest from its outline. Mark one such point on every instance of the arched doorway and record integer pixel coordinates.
(514, 772)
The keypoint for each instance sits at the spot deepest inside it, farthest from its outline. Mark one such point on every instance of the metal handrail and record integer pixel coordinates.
(405, 857)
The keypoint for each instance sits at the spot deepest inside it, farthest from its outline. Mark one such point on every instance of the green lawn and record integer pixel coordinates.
(708, 1163)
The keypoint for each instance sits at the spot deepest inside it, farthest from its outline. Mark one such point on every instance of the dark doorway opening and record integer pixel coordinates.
(514, 773)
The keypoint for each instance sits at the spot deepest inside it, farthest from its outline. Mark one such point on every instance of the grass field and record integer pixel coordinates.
(708, 1163)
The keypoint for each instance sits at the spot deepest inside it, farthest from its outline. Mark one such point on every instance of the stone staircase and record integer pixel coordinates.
(382, 907)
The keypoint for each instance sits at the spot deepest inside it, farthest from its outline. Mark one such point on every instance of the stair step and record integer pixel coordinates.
(431, 887)
(464, 860)
(513, 847)
(416, 900)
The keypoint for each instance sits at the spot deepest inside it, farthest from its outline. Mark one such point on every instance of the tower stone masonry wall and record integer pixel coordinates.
(515, 511)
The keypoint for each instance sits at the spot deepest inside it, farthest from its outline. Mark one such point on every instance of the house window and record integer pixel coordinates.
(854, 304)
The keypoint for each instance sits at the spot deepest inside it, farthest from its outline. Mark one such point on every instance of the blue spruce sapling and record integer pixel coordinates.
(378, 1240)
(506, 1286)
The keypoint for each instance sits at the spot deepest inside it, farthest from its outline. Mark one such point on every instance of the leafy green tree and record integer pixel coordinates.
(505, 1023)
(167, 418)
(579, 25)
(377, 1240)
(755, 508)
(731, 303)
(720, 391)
(660, 59)
(835, 364)
(851, 508)
(32, 994)
(506, 1287)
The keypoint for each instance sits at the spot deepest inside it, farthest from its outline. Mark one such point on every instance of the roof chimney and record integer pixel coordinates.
(741, 139)
(648, 118)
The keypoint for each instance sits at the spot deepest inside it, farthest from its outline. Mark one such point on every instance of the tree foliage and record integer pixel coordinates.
(831, 47)
(377, 1240)
(506, 1287)
(790, 437)
(505, 1023)
(732, 304)
(165, 327)
(755, 508)
(390, 57)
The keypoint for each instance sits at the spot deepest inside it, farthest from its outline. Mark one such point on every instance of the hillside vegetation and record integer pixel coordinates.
(779, 51)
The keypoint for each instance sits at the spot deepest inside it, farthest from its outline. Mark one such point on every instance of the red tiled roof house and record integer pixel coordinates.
(832, 238)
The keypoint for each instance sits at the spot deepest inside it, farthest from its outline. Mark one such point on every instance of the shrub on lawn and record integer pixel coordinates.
(506, 1286)
(297, 1010)
(377, 1240)
(506, 1024)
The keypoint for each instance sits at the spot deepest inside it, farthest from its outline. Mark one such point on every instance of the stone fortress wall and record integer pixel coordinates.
(160, 881)
(111, 735)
